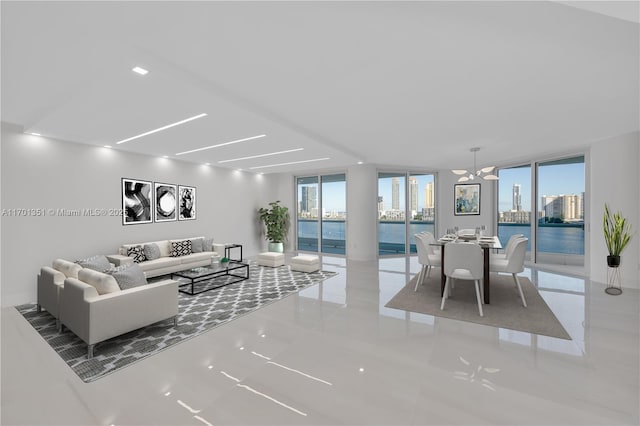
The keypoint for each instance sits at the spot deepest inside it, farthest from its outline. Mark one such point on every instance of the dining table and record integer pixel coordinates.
(486, 242)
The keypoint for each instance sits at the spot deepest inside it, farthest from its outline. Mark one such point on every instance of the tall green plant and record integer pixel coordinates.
(617, 231)
(276, 220)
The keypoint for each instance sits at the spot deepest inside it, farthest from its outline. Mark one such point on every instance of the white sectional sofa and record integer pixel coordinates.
(95, 317)
(50, 284)
(166, 263)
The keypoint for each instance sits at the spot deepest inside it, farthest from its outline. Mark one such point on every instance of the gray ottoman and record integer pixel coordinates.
(271, 259)
(305, 263)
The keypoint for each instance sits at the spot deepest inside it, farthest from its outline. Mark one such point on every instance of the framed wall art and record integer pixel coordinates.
(136, 201)
(186, 203)
(466, 199)
(166, 196)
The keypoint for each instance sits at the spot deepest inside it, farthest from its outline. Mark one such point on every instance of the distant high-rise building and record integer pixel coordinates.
(428, 195)
(517, 197)
(395, 193)
(413, 195)
(380, 204)
(309, 200)
(566, 207)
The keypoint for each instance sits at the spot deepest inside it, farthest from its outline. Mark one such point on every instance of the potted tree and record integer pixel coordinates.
(276, 220)
(617, 234)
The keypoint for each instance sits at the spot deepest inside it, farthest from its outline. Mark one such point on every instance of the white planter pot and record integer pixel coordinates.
(276, 247)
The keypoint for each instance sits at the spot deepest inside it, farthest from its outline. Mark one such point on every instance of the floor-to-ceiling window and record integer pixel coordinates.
(560, 225)
(406, 206)
(551, 214)
(334, 214)
(307, 217)
(514, 203)
(321, 213)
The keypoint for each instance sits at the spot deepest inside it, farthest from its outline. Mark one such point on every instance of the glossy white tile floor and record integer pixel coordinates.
(335, 355)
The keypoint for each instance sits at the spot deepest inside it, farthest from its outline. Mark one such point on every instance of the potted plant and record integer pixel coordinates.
(224, 262)
(617, 234)
(276, 220)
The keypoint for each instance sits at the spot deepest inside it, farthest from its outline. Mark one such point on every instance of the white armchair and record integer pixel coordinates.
(50, 283)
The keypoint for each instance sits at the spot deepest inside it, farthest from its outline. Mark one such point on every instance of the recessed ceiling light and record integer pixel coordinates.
(165, 156)
(222, 144)
(207, 164)
(360, 162)
(36, 134)
(261, 155)
(107, 146)
(140, 70)
(195, 117)
(293, 162)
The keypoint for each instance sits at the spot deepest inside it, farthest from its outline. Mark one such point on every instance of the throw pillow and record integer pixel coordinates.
(151, 251)
(137, 253)
(97, 263)
(196, 245)
(129, 276)
(207, 244)
(180, 248)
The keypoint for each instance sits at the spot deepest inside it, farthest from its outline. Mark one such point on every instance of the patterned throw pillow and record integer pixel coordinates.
(207, 244)
(151, 251)
(129, 276)
(180, 248)
(196, 245)
(97, 263)
(137, 252)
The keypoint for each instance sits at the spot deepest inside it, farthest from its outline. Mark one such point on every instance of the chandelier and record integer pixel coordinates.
(484, 173)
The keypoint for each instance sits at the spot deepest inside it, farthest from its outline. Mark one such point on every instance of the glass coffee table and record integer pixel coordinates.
(208, 278)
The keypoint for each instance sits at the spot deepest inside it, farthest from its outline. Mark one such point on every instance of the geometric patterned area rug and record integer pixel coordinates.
(197, 314)
(504, 311)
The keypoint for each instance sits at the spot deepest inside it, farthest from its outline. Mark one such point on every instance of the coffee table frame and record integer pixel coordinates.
(238, 270)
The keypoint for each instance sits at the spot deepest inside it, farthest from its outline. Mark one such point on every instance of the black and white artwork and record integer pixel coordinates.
(136, 201)
(165, 202)
(187, 202)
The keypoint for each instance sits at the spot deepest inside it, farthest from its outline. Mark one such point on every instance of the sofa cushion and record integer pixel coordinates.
(98, 262)
(180, 248)
(196, 257)
(137, 253)
(69, 269)
(151, 251)
(196, 245)
(207, 244)
(103, 283)
(129, 276)
(161, 262)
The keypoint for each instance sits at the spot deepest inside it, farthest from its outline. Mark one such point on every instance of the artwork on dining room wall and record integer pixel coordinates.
(136, 201)
(467, 199)
(165, 202)
(186, 202)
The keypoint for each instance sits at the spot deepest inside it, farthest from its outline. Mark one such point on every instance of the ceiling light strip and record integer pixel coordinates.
(261, 155)
(287, 164)
(221, 144)
(195, 117)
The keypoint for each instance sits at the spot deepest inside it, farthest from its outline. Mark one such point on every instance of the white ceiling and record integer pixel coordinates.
(415, 84)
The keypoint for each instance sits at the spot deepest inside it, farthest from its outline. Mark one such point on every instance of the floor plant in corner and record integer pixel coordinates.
(276, 220)
(617, 234)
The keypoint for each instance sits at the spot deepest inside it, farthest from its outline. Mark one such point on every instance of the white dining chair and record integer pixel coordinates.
(463, 261)
(508, 248)
(426, 257)
(512, 264)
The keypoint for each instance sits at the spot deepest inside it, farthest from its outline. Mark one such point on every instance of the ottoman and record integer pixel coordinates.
(305, 263)
(271, 259)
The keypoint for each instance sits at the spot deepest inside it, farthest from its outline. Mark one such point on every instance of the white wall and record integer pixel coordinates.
(445, 218)
(41, 173)
(615, 180)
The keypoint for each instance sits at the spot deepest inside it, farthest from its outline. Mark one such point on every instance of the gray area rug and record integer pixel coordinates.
(504, 311)
(198, 314)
